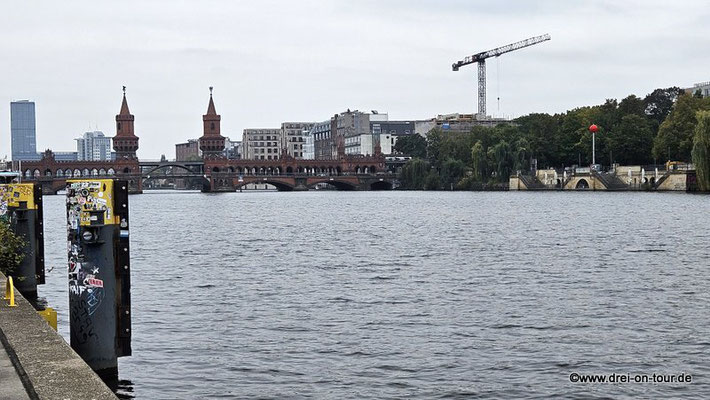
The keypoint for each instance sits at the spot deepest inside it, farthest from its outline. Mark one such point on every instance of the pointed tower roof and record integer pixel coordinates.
(210, 108)
(124, 105)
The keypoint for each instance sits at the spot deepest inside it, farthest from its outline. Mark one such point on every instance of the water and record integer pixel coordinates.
(409, 294)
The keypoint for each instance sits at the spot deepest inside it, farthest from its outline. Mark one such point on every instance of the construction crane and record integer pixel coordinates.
(480, 58)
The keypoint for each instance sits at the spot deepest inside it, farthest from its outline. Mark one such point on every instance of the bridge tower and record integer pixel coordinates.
(125, 143)
(211, 141)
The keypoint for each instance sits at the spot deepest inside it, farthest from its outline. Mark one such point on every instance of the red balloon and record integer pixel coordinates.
(593, 128)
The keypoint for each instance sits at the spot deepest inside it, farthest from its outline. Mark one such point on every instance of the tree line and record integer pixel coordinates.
(634, 131)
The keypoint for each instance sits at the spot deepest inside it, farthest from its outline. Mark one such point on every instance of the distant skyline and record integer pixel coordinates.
(276, 61)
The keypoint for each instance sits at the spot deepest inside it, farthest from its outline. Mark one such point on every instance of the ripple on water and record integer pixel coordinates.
(450, 296)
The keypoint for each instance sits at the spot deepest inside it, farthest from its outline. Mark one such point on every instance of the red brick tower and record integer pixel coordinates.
(211, 142)
(125, 143)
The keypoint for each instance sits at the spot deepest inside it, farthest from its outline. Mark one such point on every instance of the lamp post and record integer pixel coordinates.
(593, 128)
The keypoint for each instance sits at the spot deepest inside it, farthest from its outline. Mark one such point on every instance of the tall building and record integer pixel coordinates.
(292, 137)
(261, 144)
(125, 142)
(23, 130)
(212, 143)
(93, 146)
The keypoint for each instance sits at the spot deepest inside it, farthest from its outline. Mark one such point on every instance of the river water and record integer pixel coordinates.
(425, 295)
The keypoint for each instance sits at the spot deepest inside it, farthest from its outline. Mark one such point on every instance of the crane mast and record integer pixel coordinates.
(481, 57)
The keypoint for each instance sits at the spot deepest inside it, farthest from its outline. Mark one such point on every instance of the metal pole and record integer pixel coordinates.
(594, 160)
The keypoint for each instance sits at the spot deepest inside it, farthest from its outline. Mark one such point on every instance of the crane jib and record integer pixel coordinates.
(480, 58)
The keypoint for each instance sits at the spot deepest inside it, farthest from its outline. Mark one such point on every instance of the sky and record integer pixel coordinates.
(276, 61)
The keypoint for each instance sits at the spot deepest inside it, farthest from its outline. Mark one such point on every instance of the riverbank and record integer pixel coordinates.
(43, 362)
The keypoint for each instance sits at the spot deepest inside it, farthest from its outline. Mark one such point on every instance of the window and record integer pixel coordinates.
(212, 125)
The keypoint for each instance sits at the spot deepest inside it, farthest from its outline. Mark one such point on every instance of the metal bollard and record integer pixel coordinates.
(99, 267)
(21, 203)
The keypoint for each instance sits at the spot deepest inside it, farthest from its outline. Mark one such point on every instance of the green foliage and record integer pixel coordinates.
(414, 174)
(503, 160)
(701, 150)
(480, 162)
(631, 132)
(675, 135)
(432, 181)
(631, 140)
(452, 170)
(412, 145)
(10, 249)
(658, 104)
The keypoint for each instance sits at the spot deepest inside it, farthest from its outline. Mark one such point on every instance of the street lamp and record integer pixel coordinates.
(593, 128)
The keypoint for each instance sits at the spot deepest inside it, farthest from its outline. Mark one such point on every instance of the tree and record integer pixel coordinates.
(10, 248)
(631, 141)
(675, 135)
(412, 145)
(658, 104)
(701, 150)
(480, 164)
(503, 160)
(521, 161)
(452, 171)
(414, 174)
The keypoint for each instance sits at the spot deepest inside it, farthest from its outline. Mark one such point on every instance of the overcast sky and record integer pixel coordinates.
(276, 61)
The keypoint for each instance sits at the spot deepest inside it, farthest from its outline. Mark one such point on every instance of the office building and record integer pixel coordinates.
(23, 130)
(93, 146)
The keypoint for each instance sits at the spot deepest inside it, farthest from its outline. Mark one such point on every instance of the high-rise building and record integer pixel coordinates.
(93, 146)
(23, 130)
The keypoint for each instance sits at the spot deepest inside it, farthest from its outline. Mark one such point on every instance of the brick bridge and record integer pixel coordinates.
(215, 172)
(218, 175)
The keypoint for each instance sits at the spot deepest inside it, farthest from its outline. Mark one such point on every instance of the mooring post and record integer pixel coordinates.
(99, 268)
(21, 204)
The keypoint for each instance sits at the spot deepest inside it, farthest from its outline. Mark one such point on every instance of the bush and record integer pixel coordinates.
(10, 249)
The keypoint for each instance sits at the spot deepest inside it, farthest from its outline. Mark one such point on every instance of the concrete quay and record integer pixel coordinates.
(36, 362)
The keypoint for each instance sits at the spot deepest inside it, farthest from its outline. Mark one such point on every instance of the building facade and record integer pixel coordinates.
(23, 130)
(323, 144)
(93, 146)
(703, 88)
(189, 151)
(233, 149)
(351, 127)
(262, 144)
(293, 137)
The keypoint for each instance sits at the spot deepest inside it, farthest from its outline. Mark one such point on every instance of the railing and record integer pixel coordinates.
(10, 292)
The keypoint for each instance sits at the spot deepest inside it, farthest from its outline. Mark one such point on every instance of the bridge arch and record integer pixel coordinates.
(163, 166)
(280, 186)
(582, 184)
(381, 185)
(338, 184)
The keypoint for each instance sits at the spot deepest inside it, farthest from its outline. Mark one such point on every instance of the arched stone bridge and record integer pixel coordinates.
(219, 175)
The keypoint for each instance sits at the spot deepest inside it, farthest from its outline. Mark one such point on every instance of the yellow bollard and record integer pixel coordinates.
(10, 292)
(49, 315)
